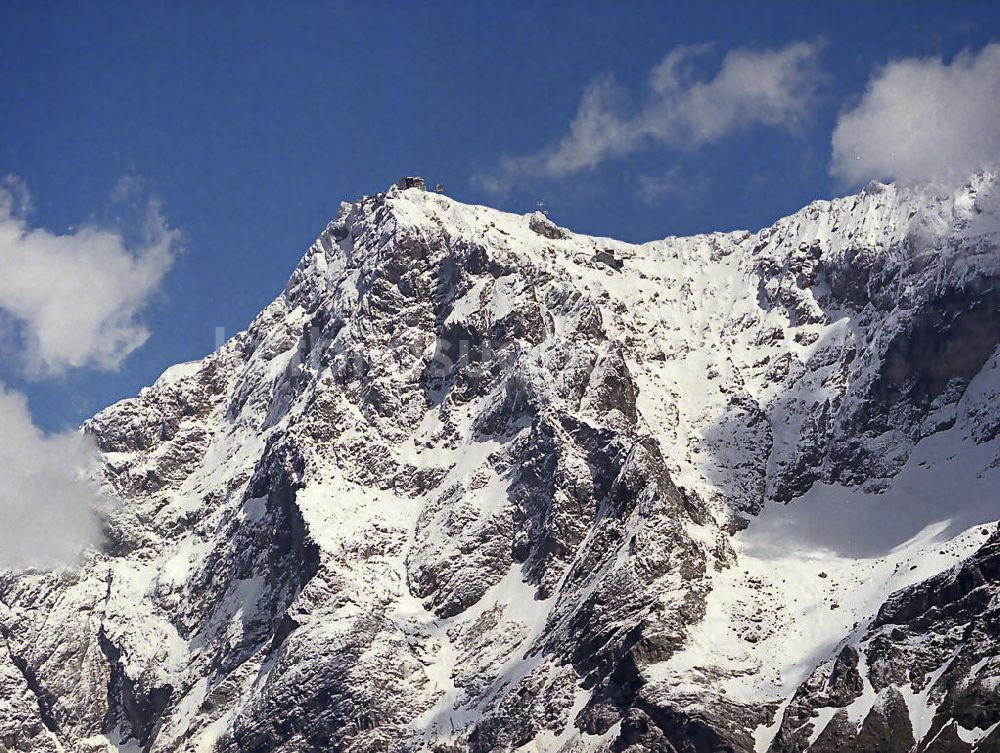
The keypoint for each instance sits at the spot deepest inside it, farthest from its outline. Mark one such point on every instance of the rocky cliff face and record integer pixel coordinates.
(476, 483)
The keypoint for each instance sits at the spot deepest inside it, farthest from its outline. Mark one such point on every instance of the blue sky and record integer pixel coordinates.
(248, 123)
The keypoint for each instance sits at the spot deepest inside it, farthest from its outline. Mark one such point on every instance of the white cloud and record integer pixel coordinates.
(76, 297)
(680, 109)
(675, 185)
(72, 300)
(922, 120)
(49, 507)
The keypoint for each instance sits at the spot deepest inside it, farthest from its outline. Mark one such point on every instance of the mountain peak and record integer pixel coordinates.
(880, 214)
(476, 482)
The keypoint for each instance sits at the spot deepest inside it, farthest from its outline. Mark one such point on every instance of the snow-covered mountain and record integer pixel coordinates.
(474, 482)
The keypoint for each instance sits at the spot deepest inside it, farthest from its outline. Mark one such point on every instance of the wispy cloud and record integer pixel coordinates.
(674, 184)
(71, 300)
(49, 502)
(681, 108)
(923, 120)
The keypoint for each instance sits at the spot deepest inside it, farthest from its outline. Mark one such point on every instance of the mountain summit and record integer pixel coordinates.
(474, 482)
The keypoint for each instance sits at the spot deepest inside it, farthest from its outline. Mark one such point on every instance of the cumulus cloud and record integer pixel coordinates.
(922, 120)
(72, 300)
(76, 297)
(49, 505)
(680, 108)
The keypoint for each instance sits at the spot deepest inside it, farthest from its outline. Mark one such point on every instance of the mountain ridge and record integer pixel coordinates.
(475, 482)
